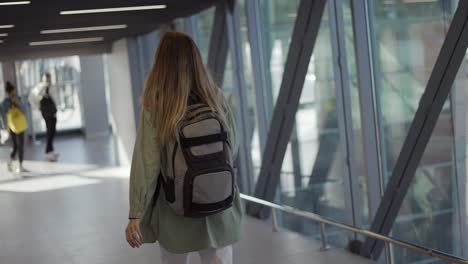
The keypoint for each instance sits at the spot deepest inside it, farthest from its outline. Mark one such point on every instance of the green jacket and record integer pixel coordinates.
(175, 233)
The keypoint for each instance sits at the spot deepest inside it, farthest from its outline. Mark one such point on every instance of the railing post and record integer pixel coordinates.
(389, 253)
(274, 219)
(323, 238)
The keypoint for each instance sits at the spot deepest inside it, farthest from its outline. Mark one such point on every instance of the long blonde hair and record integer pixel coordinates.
(177, 72)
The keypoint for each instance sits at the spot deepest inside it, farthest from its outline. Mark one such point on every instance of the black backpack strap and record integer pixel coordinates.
(159, 184)
(168, 187)
(197, 141)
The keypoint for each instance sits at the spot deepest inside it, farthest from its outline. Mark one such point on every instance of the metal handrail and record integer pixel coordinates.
(324, 221)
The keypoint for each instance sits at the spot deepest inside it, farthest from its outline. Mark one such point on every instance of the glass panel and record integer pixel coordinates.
(278, 22)
(407, 40)
(316, 177)
(408, 37)
(205, 25)
(277, 19)
(228, 83)
(314, 172)
(179, 25)
(249, 81)
(65, 74)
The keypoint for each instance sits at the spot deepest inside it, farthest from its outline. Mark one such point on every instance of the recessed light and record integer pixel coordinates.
(6, 26)
(115, 9)
(81, 29)
(3, 34)
(1, 41)
(15, 3)
(65, 41)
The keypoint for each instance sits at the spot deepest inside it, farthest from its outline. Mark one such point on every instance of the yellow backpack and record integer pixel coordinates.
(16, 120)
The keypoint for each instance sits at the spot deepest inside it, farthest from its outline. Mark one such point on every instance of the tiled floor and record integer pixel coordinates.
(76, 214)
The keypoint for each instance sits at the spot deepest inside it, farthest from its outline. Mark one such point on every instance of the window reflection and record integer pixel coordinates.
(408, 38)
(313, 171)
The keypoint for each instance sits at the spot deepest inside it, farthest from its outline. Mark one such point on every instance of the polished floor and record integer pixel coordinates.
(68, 213)
(75, 148)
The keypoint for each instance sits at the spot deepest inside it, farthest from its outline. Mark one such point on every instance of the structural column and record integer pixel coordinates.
(93, 96)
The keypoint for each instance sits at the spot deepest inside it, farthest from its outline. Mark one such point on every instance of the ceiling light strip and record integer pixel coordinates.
(15, 3)
(82, 29)
(1, 41)
(6, 26)
(65, 41)
(115, 9)
(3, 34)
(419, 1)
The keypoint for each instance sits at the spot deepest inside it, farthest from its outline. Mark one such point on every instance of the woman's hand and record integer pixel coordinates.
(133, 233)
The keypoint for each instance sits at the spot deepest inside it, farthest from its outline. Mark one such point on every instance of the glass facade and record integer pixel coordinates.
(324, 169)
(406, 42)
(205, 25)
(256, 151)
(312, 177)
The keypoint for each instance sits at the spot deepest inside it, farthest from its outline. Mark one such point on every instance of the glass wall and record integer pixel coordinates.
(314, 175)
(205, 25)
(278, 21)
(355, 144)
(324, 169)
(65, 74)
(249, 83)
(179, 25)
(406, 42)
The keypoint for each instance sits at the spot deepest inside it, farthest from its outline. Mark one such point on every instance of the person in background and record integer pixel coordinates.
(41, 97)
(11, 101)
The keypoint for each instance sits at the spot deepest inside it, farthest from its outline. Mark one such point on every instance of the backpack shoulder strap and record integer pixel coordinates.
(159, 185)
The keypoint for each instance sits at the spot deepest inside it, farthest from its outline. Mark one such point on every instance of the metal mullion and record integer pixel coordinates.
(302, 44)
(240, 92)
(458, 109)
(459, 126)
(259, 68)
(344, 108)
(218, 49)
(438, 88)
(368, 101)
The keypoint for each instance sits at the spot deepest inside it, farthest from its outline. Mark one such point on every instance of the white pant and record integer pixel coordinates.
(207, 256)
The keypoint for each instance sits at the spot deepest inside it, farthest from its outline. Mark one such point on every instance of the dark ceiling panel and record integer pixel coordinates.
(29, 20)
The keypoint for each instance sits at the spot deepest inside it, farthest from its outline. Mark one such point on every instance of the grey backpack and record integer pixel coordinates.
(199, 178)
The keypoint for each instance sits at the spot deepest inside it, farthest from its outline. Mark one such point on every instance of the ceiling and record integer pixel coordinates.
(31, 19)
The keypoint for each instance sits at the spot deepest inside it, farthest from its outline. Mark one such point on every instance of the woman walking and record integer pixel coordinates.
(13, 116)
(42, 98)
(179, 86)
